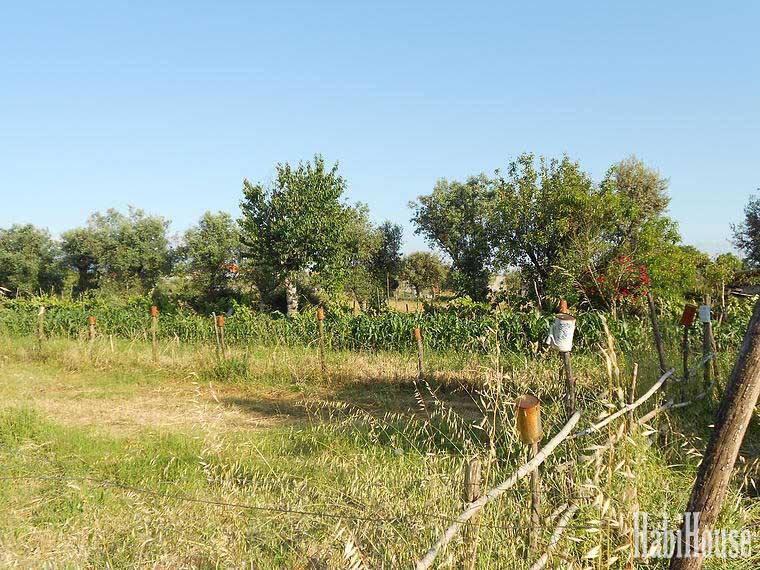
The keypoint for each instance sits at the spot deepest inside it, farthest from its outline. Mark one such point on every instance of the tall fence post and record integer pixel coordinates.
(530, 431)
(40, 326)
(153, 331)
(687, 319)
(734, 415)
(656, 333)
(705, 317)
(220, 326)
(420, 360)
(321, 326)
(470, 495)
(561, 339)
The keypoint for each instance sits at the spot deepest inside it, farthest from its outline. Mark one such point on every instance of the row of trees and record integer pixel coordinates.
(598, 244)
(545, 220)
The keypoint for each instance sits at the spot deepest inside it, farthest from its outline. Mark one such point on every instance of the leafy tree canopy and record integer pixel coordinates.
(296, 224)
(29, 260)
(455, 218)
(424, 271)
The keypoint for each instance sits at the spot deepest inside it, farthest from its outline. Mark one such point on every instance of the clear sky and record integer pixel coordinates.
(168, 105)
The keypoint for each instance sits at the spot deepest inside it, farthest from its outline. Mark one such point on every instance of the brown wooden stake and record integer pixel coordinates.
(535, 502)
(687, 319)
(530, 431)
(471, 494)
(153, 331)
(707, 347)
(420, 360)
(216, 334)
(632, 393)
(567, 371)
(91, 333)
(220, 326)
(685, 354)
(40, 327)
(321, 325)
(656, 333)
(734, 415)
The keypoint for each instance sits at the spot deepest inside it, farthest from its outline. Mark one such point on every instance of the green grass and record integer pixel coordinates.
(113, 461)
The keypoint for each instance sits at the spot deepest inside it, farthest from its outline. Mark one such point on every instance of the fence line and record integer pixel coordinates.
(496, 492)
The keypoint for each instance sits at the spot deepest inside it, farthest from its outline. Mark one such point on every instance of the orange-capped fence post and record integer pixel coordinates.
(420, 359)
(321, 326)
(154, 331)
(530, 431)
(687, 319)
(220, 327)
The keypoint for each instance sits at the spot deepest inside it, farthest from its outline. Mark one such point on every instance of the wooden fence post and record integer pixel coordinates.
(321, 325)
(471, 494)
(530, 431)
(734, 415)
(632, 393)
(153, 331)
(705, 317)
(656, 332)
(91, 321)
(687, 319)
(220, 326)
(420, 361)
(561, 339)
(40, 326)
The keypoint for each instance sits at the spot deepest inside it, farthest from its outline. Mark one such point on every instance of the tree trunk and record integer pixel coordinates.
(735, 412)
(291, 295)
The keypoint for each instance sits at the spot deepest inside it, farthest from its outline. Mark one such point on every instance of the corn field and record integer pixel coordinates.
(443, 331)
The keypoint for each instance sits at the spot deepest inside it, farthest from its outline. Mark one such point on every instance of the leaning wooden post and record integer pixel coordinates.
(220, 326)
(420, 360)
(470, 495)
(734, 415)
(687, 319)
(656, 332)
(321, 325)
(531, 432)
(154, 331)
(40, 326)
(561, 340)
(705, 317)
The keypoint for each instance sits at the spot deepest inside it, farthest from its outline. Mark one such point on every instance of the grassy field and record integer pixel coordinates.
(113, 461)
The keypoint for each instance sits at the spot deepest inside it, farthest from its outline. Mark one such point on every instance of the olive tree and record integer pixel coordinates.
(29, 260)
(455, 218)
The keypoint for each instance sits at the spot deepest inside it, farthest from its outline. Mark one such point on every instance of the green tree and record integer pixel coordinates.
(423, 271)
(363, 244)
(747, 232)
(209, 258)
(29, 260)
(388, 259)
(120, 249)
(455, 218)
(297, 224)
(540, 211)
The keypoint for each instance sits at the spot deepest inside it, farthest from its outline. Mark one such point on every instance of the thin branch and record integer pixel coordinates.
(496, 492)
(556, 535)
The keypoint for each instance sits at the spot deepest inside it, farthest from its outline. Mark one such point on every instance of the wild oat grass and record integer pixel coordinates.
(111, 460)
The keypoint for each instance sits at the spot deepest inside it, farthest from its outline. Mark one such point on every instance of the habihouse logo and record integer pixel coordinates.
(661, 541)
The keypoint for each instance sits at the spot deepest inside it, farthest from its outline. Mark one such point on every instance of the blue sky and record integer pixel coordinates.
(168, 106)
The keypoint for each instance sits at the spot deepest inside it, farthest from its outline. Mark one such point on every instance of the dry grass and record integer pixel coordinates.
(363, 468)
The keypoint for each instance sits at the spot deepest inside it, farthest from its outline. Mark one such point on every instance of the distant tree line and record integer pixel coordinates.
(544, 223)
